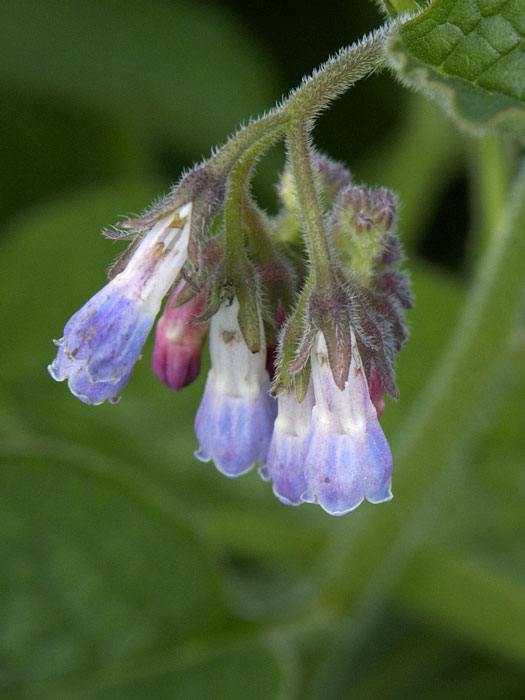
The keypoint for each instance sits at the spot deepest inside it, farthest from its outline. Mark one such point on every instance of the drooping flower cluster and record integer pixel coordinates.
(300, 363)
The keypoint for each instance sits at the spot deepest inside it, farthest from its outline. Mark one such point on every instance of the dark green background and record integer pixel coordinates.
(130, 570)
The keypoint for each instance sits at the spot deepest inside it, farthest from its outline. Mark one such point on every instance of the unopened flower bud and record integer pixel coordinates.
(331, 178)
(361, 229)
(176, 357)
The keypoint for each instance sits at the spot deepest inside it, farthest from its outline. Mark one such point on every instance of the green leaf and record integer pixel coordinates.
(224, 669)
(404, 658)
(94, 571)
(397, 7)
(182, 71)
(469, 55)
(470, 598)
(105, 592)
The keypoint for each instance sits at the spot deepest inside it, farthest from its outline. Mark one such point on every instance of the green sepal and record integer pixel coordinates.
(329, 312)
(295, 343)
(249, 315)
(301, 382)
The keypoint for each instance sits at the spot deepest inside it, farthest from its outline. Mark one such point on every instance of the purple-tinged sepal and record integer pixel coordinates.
(285, 462)
(176, 359)
(348, 458)
(103, 340)
(377, 394)
(235, 418)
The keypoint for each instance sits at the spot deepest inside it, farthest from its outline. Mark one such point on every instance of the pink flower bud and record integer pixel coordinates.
(178, 342)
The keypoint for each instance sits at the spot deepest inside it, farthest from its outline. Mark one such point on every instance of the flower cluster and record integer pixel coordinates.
(300, 361)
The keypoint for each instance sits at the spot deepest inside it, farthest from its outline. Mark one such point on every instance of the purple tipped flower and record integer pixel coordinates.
(348, 458)
(103, 340)
(178, 342)
(285, 462)
(235, 418)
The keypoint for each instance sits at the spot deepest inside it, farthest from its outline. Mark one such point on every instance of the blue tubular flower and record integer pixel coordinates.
(285, 462)
(103, 340)
(348, 457)
(235, 418)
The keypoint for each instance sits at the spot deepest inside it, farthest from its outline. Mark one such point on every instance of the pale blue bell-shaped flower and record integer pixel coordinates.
(284, 465)
(235, 418)
(103, 340)
(347, 458)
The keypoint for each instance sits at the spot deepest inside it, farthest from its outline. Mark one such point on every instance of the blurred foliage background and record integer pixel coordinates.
(129, 570)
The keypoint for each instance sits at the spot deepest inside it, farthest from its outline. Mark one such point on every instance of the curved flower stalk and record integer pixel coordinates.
(234, 422)
(103, 340)
(347, 456)
(178, 347)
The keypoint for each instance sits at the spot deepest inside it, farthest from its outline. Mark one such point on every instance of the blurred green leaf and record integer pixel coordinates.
(103, 594)
(48, 148)
(419, 182)
(470, 57)
(478, 602)
(224, 670)
(402, 659)
(182, 71)
(93, 573)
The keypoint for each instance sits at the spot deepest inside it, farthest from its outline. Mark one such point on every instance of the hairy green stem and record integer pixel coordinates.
(294, 117)
(325, 84)
(270, 128)
(237, 198)
(308, 199)
(334, 77)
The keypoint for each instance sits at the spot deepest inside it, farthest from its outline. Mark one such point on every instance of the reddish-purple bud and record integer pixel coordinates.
(178, 342)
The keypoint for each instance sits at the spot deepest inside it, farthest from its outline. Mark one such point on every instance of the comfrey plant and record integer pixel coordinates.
(306, 309)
